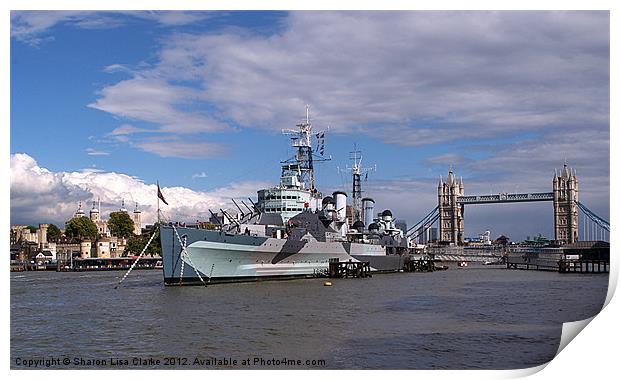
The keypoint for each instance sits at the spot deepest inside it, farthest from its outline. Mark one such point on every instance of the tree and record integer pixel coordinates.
(53, 233)
(136, 243)
(81, 227)
(121, 224)
(32, 229)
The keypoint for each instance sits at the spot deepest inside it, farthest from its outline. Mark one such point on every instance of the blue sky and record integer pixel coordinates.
(109, 103)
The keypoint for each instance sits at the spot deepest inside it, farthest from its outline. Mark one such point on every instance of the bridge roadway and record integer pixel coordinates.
(504, 198)
(456, 253)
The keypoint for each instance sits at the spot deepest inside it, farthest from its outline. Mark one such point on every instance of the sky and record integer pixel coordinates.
(105, 104)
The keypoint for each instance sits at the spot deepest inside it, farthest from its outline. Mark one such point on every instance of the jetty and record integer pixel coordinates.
(578, 257)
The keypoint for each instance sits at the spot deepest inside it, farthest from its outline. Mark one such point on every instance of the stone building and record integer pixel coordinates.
(23, 233)
(111, 247)
(95, 217)
(565, 198)
(137, 220)
(65, 249)
(102, 224)
(451, 226)
(32, 242)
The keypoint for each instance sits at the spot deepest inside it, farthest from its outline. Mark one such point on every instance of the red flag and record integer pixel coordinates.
(160, 195)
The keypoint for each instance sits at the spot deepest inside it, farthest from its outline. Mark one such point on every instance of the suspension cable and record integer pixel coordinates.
(425, 227)
(428, 216)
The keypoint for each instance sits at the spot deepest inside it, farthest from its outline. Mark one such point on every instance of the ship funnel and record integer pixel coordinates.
(328, 203)
(329, 207)
(341, 204)
(368, 206)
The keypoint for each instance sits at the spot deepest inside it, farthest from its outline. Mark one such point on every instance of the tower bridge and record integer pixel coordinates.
(451, 201)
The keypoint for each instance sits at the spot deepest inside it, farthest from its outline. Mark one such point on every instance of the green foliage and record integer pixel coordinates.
(32, 229)
(136, 243)
(81, 227)
(53, 233)
(120, 224)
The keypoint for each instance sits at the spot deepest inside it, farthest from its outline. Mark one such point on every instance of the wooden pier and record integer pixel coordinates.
(546, 266)
(583, 266)
(420, 265)
(563, 266)
(578, 257)
(348, 269)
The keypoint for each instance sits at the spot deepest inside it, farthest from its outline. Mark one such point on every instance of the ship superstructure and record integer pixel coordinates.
(296, 191)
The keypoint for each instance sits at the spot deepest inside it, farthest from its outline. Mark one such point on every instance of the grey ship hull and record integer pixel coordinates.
(219, 257)
(387, 263)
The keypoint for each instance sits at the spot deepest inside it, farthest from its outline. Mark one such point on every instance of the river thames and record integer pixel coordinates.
(479, 317)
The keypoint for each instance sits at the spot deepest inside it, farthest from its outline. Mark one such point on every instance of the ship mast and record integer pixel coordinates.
(302, 163)
(357, 171)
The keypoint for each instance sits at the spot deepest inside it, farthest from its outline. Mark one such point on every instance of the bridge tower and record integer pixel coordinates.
(451, 226)
(565, 199)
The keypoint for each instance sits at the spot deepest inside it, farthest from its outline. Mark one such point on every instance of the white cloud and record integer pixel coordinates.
(173, 18)
(175, 147)
(126, 129)
(95, 152)
(406, 78)
(155, 101)
(31, 26)
(425, 77)
(199, 175)
(39, 195)
(115, 68)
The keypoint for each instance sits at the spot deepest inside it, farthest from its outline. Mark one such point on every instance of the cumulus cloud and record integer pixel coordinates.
(417, 71)
(423, 77)
(39, 195)
(154, 101)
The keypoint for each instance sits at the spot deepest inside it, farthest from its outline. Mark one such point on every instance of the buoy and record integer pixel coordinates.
(327, 283)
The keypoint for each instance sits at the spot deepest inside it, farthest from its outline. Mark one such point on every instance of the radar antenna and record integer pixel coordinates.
(301, 165)
(357, 171)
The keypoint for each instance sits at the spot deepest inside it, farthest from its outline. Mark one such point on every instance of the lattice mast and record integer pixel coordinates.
(357, 172)
(302, 163)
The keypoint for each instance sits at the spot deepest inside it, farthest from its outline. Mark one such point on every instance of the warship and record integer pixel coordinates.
(291, 231)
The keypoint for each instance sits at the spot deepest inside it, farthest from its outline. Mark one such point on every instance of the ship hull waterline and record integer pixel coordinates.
(217, 257)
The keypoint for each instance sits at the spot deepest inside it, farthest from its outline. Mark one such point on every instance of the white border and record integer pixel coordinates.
(591, 355)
